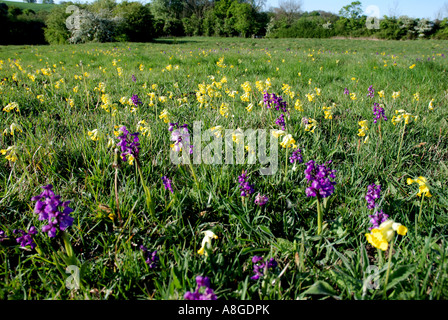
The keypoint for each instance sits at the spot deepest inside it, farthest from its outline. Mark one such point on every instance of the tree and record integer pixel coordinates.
(288, 9)
(352, 11)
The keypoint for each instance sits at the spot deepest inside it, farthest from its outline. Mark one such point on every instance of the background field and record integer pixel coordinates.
(55, 148)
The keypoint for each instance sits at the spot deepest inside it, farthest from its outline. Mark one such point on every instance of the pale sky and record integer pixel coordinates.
(412, 8)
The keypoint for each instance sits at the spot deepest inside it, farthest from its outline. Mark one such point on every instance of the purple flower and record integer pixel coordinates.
(203, 290)
(167, 184)
(136, 100)
(378, 113)
(346, 91)
(180, 136)
(25, 239)
(318, 176)
(50, 208)
(296, 156)
(273, 101)
(261, 200)
(2, 235)
(377, 218)
(260, 266)
(245, 188)
(373, 193)
(133, 78)
(129, 143)
(281, 122)
(371, 93)
(151, 257)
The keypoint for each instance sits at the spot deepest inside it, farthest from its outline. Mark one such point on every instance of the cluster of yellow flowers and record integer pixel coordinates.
(402, 115)
(381, 236)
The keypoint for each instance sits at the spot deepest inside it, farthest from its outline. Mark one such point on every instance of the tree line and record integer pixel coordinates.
(109, 21)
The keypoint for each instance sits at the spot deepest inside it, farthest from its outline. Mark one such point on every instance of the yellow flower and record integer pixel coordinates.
(93, 134)
(381, 93)
(11, 153)
(40, 97)
(362, 131)
(249, 107)
(288, 141)
(217, 131)
(310, 124)
(224, 109)
(238, 136)
(75, 89)
(381, 236)
(353, 96)
(423, 188)
(165, 116)
(278, 133)
(11, 106)
(395, 95)
(207, 241)
(416, 96)
(143, 128)
(130, 158)
(298, 105)
(310, 97)
(431, 105)
(402, 115)
(412, 67)
(15, 127)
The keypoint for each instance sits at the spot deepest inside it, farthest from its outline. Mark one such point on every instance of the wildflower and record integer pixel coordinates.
(381, 93)
(402, 115)
(135, 100)
(164, 115)
(238, 136)
(11, 153)
(423, 187)
(296, 156)
(145, 130)
(261, 200)
(217, 131)
(281, 121)
(395, 95)
(298, 105)
(377, 219)
(181, 137)
(318, 176)
(261, 266)
(353, 96)
(129, 144)
(288, 141)
(224, 109)
(167, 184)
(206, 241)
(412, 67)
(373, 193)
(151, 257)
(3, 236)
(363, 130)
(346, 91)
(274, 101)
(25, 239)
(310, 97)
(93, 135)
(371, 93)
(12, 129)
(11, 106)
(245, 188)
(278, 133)
(203, 290)
(416, 96)
(378, 112)
(328, 112)
(381, 236)
(134, 79)
(48, 208)
(249, 107)
(310, 124)
(431, 105)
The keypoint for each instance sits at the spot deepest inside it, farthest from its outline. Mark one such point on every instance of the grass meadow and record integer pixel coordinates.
(62, 114)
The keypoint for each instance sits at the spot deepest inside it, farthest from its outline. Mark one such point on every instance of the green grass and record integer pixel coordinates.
(54, 147)
(33, 6)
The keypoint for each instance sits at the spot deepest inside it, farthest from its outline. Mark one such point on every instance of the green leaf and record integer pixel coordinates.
(400, 274)
(321, 288)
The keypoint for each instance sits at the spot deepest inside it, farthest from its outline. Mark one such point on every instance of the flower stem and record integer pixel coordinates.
(149, 201)
(401, 143)
(388, 268)
(319, 216)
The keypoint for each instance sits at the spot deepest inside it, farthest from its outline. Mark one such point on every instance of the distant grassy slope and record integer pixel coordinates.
(33, 6)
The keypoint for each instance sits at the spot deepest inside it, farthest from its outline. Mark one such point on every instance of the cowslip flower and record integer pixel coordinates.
(50, 208)
(11, 106)
(12, 129)
(319, 179)
(11, 153)
(261, 266)
(310, 124)
(363, 130)
(381, 236)
(25, 238)
(423, 187)
(402, 115)
(203, 290)
(431, 105)
(165, 115)
(206, 241)
(396, 94)
(288, 142)
(94, 134)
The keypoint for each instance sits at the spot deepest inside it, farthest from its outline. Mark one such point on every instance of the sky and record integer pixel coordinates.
(412, 8)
